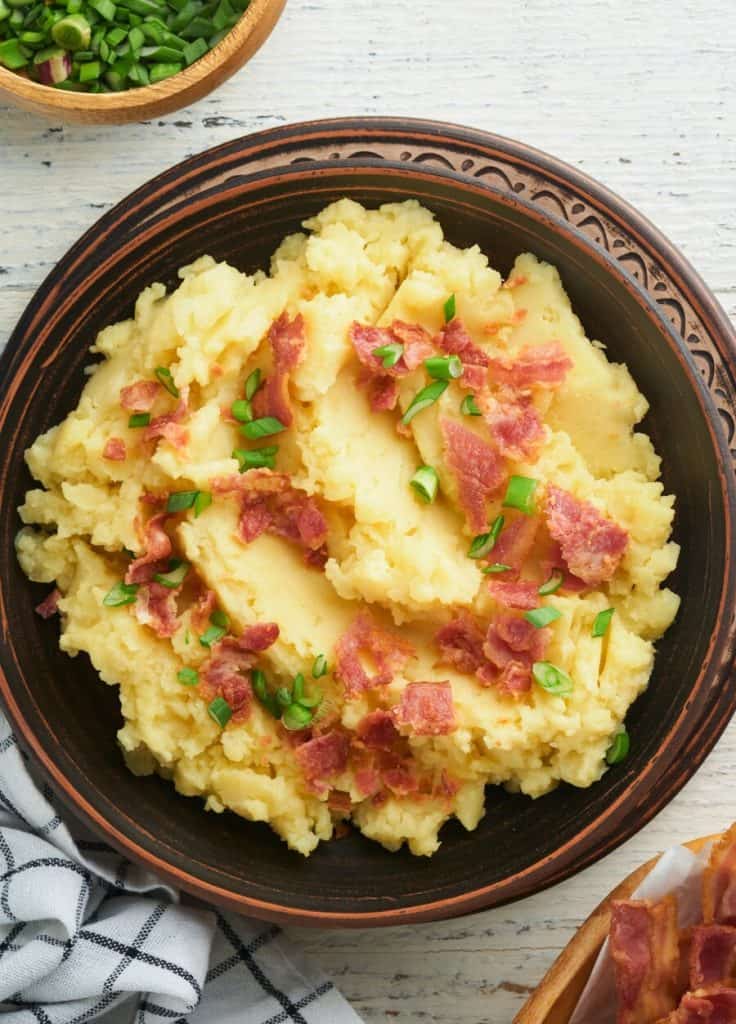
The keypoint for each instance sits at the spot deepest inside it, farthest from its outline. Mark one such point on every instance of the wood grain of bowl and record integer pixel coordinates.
(632, 290)
(191, 84)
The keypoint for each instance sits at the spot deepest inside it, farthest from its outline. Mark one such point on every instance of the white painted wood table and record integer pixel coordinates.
(643, 97)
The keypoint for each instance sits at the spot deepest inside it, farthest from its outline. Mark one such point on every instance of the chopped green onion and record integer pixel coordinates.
(139, 419)
(120, 594)
(469, 406)
(496, 567)
(180, 501)
(619, 749)
(241, 410)
(212, 635)
(320, 667)
(263, 427)
(11, 55)
(298, 687)
(219, 618)
(449, 308)
(296, 717)
(260, 688)
(541, 617)
(158, 72)
(221, 711)
(551, 678)
(553, 584)
(520, 494)
(444, 367)
(425, 482)
(72, 33)
(201, 502)
(188, 676)
(166, 380)
(255, 458)
(283, 696)
(253, 382)
(90, 72)
(424, 398)
(105, 8)
(311, 702)
(602, 622)
(161, 53)
(174, 577)
(485, 542)
(389, 354)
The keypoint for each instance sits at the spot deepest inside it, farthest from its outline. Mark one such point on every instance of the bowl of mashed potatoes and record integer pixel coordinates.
(372, 517)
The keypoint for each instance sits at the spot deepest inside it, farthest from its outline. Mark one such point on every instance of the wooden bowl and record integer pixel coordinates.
(180, 90)
(631, 289)
(557, 994)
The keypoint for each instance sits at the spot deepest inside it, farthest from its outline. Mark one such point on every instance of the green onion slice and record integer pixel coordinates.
(541, 617)
(283, 696)
(260, 688)
(241, 410)
(221, 711)
(120, 594)
(553, 584)
(485, 542)
(174, 577)
(619, 749)
(320, 667)
(602, 622)
(139, 419)
(166, 380)
(424, 398)
(444, 367)
(469, 407)
(188, 676)
(449, 308)
(298, 687)
(551, 678)
(263, 427)
(425, 482)
(211, 635)
(389, 354)
(180, 501)
(495, 568)
(201, 502)
(520, 494)
(219, 618)
(296, 717)
(311, 702)
(252, 384)
(256, 458)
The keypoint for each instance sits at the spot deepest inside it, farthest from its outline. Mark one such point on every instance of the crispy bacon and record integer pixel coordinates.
(155, 606)
(521, 594)
(202, 608)
(426, 709)
(139, 397)
(541, 366)
(226, 673)
(713, 1005)
(168, 427)
(719, 881)
(455, 340)
(288, 344)
(387, 652)
(380, 381)
(383, 392)
(591, 545)
(157, 550)
(516, 542)
(322, 758)
(376, 731)
(554, 562)
(712, 955)
(645, 952)
(514, 425)
(477, 468)
(461, 643)
(512, 645)
(115, 450)
(339, 802)
(50, 604)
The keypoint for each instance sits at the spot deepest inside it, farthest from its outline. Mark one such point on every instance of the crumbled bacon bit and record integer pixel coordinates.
(364, 640)
(380, 381)
(712, 955)
(511, 646)
(155, 606)
(168, 427)
(339, 802)
(522, 594)
(426, 709)
(478, 469)
(139, 397)
(376, 731)
(542, 366)
(288, 344)
(226, 672)
(157, 550)
(514, 425)
(202, 608)
(516, 541)
(454, 339)
(50, 604)
(322, 758)
(461, 643)
(591, 545)
(115, 450)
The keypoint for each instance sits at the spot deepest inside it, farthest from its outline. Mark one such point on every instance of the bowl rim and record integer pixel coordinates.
(481, 897)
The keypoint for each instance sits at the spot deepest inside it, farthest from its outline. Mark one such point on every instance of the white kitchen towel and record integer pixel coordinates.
(85, 935)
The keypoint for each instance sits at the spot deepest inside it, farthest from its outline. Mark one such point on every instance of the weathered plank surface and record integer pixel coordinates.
(641, 96)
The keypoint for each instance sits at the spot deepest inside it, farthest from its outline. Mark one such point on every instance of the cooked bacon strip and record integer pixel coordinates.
(516, 541)
(376, 731)
(554, 562)
(521, 594)
(477, 468)
(270, 504)
(455, 340)
(383, 392)
(380, 381)
(226, 673)
(50, 604)
(339, 802)
(156, 551)
(168, 427)
(115, 450)
(155, 606)
(591, 545)
(288, 344)
(461, 644)
(514, 424)
(719, 881)
(322, 758)
(426, 709)
(512, 645)
(139, 397)
(202, 608)
(387, 651)
(712, 955)
(645, 952)
(713, 1005)
(397, 776)
(542, 366)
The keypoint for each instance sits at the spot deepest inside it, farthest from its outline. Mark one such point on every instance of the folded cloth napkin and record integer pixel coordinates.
(86, 935)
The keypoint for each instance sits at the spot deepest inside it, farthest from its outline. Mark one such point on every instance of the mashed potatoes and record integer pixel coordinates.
(420, 677)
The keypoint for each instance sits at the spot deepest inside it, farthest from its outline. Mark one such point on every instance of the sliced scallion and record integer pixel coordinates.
(469, 407)
(166, 380)
(520, 494)
(551, 678)
(553, 584)
(220, 618)
(425, 483)
(449, 308)
(139, 419)
(255, 458)
(496, 568)
(444, 367)
(319, 668)
(174, 577)
(602, 622)
(283, 696)
(220, 711)
(263, 427)
(424, 398)
(120, 594)
(296, 717)
(541, 617)
(201, 502)
(619, 749)
(485, 542)
(389, 354)
(252, 383)
(297, 689)
(188, 676)
(242, 410)
(180, 501)
(311, 702)
(260, 688)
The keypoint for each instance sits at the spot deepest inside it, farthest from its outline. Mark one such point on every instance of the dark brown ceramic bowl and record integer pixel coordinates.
(631, 289)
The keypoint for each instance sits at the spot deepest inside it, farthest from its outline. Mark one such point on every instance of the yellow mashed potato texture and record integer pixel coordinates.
(404, 560)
